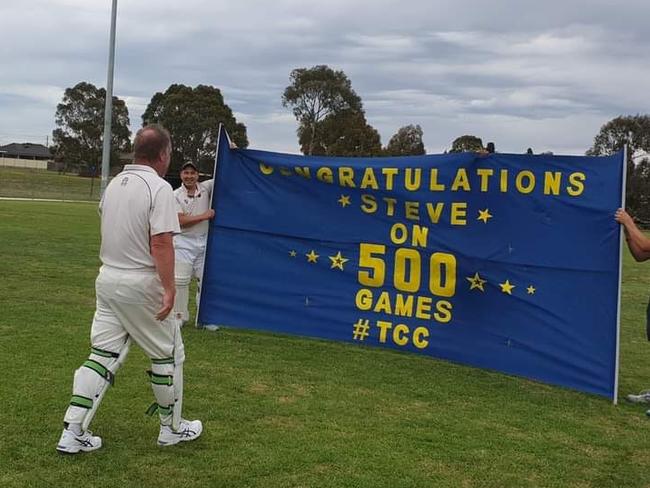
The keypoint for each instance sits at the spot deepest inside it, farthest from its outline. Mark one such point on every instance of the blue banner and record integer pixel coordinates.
(500, 261)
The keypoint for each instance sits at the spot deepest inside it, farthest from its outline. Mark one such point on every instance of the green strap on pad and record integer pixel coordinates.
(104, 353)
(154, 407)
(81, 401)
(163, 361)
(161, 379)
(100, 369)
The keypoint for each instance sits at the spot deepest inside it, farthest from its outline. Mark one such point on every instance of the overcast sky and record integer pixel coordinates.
(545, 75)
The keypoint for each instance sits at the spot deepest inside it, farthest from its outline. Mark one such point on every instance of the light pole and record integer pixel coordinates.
(108, 106)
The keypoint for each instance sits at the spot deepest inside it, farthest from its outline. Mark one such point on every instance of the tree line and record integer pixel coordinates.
(331, 122)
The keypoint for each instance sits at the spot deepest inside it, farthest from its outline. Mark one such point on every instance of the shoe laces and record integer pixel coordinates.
(186, 430)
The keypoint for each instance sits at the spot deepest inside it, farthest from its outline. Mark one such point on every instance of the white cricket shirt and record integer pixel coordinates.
(136, 205)
(195, 205)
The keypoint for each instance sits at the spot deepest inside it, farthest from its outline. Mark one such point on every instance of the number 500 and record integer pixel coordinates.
(407, 272)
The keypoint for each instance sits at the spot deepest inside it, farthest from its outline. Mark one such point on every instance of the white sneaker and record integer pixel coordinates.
(188, 431)
(71, 443)
(211, 327)
(643, 397)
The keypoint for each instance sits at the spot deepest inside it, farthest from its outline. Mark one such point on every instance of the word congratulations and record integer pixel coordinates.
(429, 179)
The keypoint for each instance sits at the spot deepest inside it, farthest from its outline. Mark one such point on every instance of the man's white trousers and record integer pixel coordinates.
(127, 301)
(189, 256)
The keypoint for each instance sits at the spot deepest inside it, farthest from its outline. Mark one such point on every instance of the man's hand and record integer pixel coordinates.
(167, 304)
(209, 214)
(622, 217)
(638, 243)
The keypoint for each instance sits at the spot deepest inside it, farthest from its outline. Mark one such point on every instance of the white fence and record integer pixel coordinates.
(22, 163)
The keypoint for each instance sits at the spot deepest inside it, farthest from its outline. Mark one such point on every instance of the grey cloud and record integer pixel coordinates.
(522, 73)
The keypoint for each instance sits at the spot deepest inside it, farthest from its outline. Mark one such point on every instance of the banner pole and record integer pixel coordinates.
(214, 186)
(620, 278)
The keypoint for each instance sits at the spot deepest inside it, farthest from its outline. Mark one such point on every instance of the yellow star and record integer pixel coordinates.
(484, 215)
(338, 261)
(312, 257)
(531, 290)
(344, 200)
(506, 287)
(476, 282)
(292, 253)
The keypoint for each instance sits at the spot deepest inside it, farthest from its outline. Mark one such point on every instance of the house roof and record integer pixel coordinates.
(25, 149)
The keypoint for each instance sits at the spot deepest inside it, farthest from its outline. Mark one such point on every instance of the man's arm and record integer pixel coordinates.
(637, 252)
(190, 220)
(208, 185)
(637, 242)
(162, 252)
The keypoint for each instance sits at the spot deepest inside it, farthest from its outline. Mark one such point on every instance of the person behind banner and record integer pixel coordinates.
(639, 246)
(193, 199)
(135, 295)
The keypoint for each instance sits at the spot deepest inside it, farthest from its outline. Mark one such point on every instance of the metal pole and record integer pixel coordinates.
(620, 273)
(214, 186)
(108, 106)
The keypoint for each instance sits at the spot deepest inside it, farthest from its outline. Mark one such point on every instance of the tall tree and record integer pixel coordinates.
(346, 133)
(407, 141)
(192, 117)
(466, 143)
(315, 94)
(78, 138)
(640, 191)
(633, 130)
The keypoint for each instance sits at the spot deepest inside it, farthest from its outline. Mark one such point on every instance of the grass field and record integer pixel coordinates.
(40, 183)
(288, 412)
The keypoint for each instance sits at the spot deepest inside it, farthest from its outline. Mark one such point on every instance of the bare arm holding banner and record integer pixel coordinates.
(638, 243)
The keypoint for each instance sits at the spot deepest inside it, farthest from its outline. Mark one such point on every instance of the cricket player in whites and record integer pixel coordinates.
(135, 295)
(193, 199)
